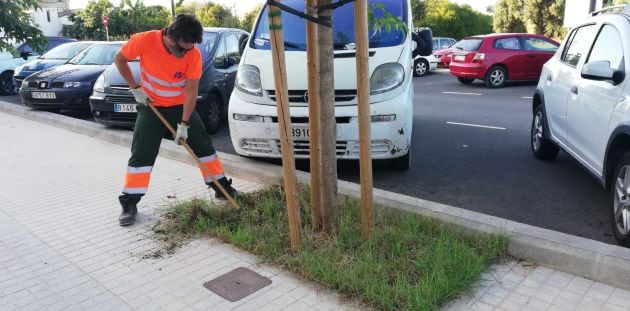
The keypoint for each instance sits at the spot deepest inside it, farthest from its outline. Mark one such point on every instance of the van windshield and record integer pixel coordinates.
(294, 29)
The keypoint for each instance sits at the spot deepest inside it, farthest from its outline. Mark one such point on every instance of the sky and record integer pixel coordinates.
(243, 6)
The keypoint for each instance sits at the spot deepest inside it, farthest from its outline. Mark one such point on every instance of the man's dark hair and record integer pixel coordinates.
(185, 28)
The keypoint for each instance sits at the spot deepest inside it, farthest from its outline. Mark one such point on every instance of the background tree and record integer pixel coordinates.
(247, 23)
(124, 20)
(448, 19)
(16, 25)
(210, 14)
(508, 16)
(554, 15)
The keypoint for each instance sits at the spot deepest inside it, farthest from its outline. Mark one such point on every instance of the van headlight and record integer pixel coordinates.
(99, 85)
(386, 77)
(248, 80)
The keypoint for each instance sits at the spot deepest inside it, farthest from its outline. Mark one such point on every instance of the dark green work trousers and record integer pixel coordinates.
(149, 131)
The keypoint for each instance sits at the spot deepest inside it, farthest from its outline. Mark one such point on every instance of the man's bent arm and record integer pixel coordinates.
(123, 67)
(192, 91)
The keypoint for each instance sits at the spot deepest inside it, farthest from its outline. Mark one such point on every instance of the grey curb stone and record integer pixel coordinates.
(594, 260)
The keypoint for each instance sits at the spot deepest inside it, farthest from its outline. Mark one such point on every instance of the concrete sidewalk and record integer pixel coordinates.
(61, 247)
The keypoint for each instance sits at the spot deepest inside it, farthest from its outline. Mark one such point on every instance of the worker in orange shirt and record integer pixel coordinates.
(170, 67)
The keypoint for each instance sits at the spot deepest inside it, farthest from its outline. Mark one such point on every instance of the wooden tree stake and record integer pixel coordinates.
(363, 96)
(284, 125)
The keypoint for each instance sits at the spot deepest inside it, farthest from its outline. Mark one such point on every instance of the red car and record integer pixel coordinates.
(443, 57)
(497, 58)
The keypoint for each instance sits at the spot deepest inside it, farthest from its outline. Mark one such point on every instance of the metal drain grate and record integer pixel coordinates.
(237, 284)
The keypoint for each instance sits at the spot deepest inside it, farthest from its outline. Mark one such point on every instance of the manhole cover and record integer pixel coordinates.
(237, 284)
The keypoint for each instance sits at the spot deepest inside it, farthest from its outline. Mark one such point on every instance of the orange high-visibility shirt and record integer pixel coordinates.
(163, 75)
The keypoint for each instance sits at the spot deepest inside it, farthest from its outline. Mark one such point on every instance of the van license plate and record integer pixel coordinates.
(125, 108)
(44, 95)
(300, 132)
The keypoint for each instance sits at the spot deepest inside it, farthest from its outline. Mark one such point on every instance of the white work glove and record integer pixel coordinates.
(182, 132)
(140, 95)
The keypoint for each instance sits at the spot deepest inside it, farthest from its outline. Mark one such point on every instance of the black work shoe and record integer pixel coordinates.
(227, 185)
(129, 209)
(128, 215)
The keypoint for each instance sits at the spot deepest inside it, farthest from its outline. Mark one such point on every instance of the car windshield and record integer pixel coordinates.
(343, 27)
(468, 44)
(100, 54)
(65, 51)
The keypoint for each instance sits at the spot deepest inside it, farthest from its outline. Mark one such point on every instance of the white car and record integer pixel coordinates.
(424, 64)
(252, 112)
(582, 106)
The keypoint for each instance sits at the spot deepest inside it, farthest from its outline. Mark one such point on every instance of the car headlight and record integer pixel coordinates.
(248, 80)
(99, 85)
(76, 84)
(386, 77)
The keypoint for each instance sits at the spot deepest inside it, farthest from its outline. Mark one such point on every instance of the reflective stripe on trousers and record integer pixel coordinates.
(137, 179)
(213, 165)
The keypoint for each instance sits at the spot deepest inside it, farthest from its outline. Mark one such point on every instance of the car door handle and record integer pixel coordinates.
(531, 56)
(574, 90)
(549, 78)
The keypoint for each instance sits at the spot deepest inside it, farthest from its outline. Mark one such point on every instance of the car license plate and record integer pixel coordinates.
(300, 132)
(125, 108)
(459, 57)
(43, 95)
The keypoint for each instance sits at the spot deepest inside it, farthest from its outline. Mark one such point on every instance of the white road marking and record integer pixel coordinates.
(459, 93)
(527, 97)
(477, 125)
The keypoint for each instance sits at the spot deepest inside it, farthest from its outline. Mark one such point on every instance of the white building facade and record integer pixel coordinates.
(51, 16)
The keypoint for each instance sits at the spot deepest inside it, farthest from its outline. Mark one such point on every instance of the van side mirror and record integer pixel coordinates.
(25, 55)
(242, 43)
(600, 71)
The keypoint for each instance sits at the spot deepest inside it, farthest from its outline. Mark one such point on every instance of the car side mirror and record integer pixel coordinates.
(600, 71)
(242, 43)
(25, 55)
(231, 61)
(221, 63)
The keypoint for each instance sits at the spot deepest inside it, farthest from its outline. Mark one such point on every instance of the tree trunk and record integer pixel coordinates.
(328, 184)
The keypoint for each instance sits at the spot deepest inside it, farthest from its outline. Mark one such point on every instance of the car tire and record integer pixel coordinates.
(400, 164)
(620, 197)
(6, 83)
(213, 114)
(496, 77)
(542, 147)
(420, 67)
(463, 80)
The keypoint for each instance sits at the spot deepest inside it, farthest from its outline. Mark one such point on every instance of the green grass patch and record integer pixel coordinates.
(410, 262)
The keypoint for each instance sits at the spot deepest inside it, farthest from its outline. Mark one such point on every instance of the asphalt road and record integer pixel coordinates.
(470, 149)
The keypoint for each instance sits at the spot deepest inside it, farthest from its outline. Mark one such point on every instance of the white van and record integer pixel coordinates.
(252, 114)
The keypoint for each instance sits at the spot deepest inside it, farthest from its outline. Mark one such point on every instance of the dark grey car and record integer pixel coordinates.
(112, 103)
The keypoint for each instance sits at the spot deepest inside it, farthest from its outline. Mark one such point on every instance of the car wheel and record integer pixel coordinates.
(621, 201)
(6, 83)
(420, 67)
(401, 164)
(465, 80)
(542, 147)
(496, 77)
(214, 114)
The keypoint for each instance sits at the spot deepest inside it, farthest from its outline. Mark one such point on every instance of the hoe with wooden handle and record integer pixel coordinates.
(192, 154)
